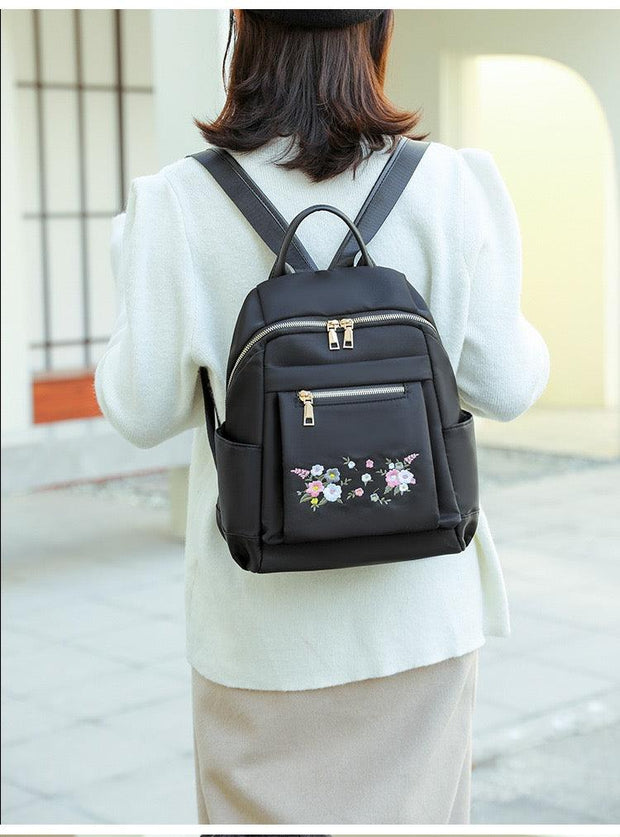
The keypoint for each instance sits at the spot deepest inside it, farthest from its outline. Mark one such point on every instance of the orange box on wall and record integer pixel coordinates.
(61, 396)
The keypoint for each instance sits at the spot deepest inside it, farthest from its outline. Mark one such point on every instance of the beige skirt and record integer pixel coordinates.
(391, 750)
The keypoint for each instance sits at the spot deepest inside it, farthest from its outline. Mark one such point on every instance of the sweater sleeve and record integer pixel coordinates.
(504, 364)
(147, 382)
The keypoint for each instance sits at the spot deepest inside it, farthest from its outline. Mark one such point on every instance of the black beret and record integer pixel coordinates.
(316, 18)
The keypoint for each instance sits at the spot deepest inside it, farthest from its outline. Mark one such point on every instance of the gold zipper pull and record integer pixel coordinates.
(307, 398)
(347, 340)
(332, 325)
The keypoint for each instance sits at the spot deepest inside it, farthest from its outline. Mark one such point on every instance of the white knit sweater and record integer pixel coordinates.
(186, 262)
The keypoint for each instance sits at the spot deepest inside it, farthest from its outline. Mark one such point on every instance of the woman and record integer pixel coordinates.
(342, 696)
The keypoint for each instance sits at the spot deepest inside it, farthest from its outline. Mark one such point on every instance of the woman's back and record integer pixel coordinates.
(272, 725)
(188, 260)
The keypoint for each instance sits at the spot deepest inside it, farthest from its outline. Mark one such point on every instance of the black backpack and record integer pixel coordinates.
(344, 442)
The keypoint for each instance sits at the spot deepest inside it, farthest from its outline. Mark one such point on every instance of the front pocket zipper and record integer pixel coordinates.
(331, 325)
(307, 397)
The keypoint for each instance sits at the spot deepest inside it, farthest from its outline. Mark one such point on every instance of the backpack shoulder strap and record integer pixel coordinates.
(266, 221)
(253, 204)
(381, 199)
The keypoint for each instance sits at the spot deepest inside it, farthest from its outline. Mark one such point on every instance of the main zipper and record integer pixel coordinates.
(331, 324)
(308, 397)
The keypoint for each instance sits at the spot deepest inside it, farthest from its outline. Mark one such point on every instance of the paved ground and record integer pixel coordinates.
(95, 706)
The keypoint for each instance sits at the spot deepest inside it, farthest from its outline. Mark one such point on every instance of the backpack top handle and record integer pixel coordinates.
(279, 268)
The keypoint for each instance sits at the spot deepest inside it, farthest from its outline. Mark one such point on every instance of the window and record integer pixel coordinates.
(85, 129)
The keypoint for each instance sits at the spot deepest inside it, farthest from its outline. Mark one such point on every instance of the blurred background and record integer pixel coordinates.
(94, 730)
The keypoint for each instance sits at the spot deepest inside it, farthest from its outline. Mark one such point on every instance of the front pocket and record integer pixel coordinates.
(356, 461)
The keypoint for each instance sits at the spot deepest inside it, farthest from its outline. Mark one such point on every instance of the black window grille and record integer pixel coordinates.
(82, 214)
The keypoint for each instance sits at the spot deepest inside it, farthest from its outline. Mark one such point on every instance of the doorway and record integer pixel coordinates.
(550, 139)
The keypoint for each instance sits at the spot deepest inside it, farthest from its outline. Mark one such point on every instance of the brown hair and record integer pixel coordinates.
(322, 87)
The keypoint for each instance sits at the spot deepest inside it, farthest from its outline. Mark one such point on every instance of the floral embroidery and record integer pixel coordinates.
(332, 492)
(326, 487)
(391, 477)
(314, 488)
(397, 477)
(301, 472)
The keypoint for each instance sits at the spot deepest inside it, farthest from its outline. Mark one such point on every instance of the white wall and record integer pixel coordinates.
(15, 380)
(587, 41)
(188, 48)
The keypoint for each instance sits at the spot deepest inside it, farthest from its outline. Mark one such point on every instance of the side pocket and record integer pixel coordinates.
(461, 452)
(239, 485)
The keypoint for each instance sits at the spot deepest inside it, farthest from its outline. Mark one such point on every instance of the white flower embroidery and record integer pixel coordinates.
(332, 474)
(366, 477)
(316, 470)
(351, 463)
(332, 492)
(403, 487)
(374, 497)
(405, 476)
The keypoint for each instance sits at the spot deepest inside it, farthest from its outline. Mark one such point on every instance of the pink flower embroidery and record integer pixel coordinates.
(359, 491)
(314, 488)
(391, 477)
(301, 472)
(369, 463)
